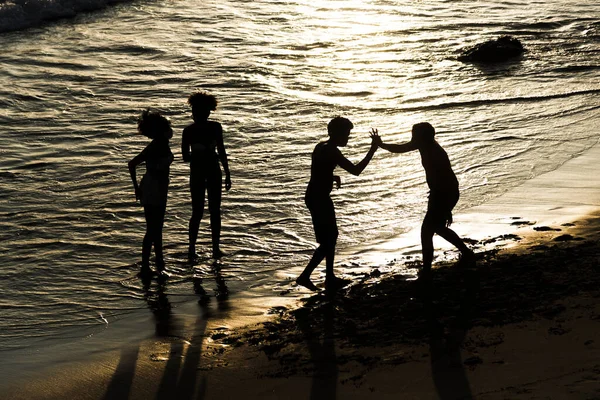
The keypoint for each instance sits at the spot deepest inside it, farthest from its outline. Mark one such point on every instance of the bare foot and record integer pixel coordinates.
(307, 283)
(336, 283)
(467, 258)
(424, 276)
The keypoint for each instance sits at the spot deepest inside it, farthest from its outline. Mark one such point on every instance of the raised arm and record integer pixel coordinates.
(398, 148)
(223, 158)
(346, 164)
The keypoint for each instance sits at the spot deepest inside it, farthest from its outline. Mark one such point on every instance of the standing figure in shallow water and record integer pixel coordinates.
(202, 146)
(443, 192)
(325, 157)
(152, 190)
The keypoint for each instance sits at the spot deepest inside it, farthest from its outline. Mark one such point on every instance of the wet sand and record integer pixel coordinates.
(522, 323)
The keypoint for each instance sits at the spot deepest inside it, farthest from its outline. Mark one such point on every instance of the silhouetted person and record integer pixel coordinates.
(205, 140)
(443, 191)
(152, 190)
(325, 157)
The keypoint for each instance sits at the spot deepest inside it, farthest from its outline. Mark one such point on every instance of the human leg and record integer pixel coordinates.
(427, 231)
(326, 232)
(332, 282)
(197, 190)
(304, 278)
(214, 189)
(147, 242)
(438, 216)
(155, 216)
(451, 236)
(442, 206)
(158, 243)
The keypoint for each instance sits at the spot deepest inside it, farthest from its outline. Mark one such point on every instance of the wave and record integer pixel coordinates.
(22, 14)
(509, 100)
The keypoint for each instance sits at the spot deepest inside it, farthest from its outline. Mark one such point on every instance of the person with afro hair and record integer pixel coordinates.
(202, 146)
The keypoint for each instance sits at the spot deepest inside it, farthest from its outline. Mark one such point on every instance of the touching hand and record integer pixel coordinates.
(375, 138)
(138, 193)
(227, 182)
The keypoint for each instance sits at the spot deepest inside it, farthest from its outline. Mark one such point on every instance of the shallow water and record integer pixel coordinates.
(71, 90)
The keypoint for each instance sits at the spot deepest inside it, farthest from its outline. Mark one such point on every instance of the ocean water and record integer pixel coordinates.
(74, 76)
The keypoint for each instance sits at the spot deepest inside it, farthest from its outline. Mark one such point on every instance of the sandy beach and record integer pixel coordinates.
(522, 323)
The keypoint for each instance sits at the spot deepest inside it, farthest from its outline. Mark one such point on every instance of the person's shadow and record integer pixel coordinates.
(322, 354)
(180, 377)
(445, 340)
(180, 381)
(154, 295)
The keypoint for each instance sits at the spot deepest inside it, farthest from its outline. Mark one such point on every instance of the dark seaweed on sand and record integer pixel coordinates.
(502, 288)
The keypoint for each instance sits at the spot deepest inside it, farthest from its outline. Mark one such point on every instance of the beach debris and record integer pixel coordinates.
(521, 223)
(103, 319)
(544, 229)
(501, 238)
(565, 238)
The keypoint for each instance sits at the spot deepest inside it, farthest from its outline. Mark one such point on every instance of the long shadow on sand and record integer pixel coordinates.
(322, 355)
(180, 377)
(385, 320)
(445, 341)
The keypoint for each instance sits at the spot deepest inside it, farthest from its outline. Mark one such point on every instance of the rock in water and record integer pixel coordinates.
(498, 50)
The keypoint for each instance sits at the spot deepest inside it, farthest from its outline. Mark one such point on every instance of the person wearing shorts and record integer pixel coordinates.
(443, 192)
(325, 158)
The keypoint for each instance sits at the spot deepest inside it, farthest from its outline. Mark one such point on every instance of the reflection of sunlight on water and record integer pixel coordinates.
(281, 71)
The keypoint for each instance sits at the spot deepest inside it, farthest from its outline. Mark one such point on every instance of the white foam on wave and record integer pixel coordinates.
(23, 14)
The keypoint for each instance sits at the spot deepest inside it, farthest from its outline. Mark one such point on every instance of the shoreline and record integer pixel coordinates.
(293, 355)
(522, 323)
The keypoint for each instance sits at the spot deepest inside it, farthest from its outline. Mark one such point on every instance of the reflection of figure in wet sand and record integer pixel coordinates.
(159, 304)
(152, 191)
(325, 157)
(180, 379)
(443, 192)
(205, 140)
(221, 292)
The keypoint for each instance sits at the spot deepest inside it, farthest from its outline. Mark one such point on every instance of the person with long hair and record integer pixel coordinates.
(202, 146)
(153, 188)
